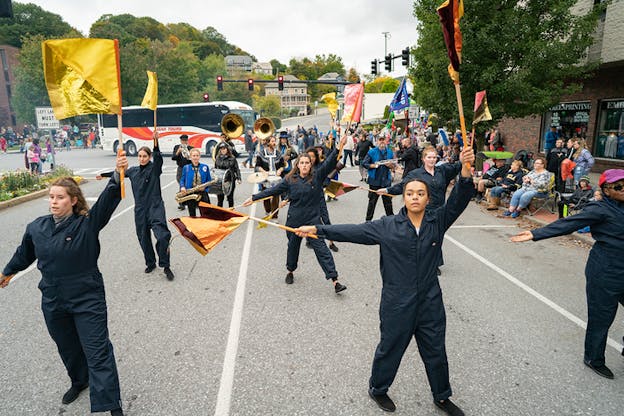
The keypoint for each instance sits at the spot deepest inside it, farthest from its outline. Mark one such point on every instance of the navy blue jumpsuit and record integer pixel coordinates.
(73, 300)
(604, 270)
(149, 210)
(305, 196)
(411, 299)
(438, 182)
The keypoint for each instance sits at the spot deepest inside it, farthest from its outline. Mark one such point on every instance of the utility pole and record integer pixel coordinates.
(386, 37)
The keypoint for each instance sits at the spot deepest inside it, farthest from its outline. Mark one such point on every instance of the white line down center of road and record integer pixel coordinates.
(613, 343)
(224, 396)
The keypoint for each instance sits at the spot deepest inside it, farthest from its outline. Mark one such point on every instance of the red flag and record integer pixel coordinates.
(353, 99)
(336, 188)
(206, 231)
(481, 109)
(450, 12)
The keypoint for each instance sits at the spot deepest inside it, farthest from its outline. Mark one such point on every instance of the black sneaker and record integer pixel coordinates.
(73, 393)
(117, 412)
(289, 278)
(150, 269)
(169, 274)
(339, 287)
(384, 401)
(601, 370)
(333, 247)
(439, 272)
(449, 407)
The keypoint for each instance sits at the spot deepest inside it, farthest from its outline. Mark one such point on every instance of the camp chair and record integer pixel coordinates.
(546, 200)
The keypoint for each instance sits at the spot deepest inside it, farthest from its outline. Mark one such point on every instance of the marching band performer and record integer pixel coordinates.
(66, 245)
(270, 160)
(411, 299)
(379, 176)
(226, 160)
(195, 174)
(182, 158)
(304, 186)
(149, 209)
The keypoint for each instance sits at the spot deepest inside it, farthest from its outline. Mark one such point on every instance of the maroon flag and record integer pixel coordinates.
(450, 12)
(481, 109)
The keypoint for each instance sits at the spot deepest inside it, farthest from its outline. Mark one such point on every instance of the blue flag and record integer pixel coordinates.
(401, 99)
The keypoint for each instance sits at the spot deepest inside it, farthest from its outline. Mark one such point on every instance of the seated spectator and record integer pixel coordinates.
(492, 177)
(509, 184)
(583, 194)
(533, 183)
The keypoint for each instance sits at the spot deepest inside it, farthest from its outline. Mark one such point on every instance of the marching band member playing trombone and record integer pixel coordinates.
(410, 246)
(304, 187)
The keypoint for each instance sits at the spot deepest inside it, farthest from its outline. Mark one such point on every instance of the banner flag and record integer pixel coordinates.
(353, 99)
(450, 12)
(332, 104)
(481, 109)
(150, 100)
(336, 188)
(401, 98)
(82, 76)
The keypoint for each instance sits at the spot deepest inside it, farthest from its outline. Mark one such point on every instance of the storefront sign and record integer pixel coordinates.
(612, 105)
(571, 107)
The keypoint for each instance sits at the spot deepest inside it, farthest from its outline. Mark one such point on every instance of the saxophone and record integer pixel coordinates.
(193, 193)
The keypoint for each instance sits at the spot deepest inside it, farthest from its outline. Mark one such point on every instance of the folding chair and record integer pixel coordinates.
(544, 201)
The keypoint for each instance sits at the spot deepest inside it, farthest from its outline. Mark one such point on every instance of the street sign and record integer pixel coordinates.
(46, 119)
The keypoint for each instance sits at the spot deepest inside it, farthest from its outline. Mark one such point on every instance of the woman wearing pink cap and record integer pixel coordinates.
(605, 265)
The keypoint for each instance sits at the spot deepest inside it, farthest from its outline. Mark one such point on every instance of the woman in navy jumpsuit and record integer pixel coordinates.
(304, 186)
(411, 299)
(604, 270)
(67, 248)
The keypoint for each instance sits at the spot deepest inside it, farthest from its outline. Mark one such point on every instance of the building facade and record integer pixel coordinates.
(596, 113)
(293, 96)
(238, 63)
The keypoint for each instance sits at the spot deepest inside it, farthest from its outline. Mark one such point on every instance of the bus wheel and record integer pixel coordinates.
(131, 149)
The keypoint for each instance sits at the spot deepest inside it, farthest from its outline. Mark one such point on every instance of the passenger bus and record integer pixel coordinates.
(201, 122)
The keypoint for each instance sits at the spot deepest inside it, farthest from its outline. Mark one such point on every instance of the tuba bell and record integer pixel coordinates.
(263, 128)
(232, 125)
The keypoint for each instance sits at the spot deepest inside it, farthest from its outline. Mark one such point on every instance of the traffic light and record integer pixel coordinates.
(405, 55)
(250, 84)
(206, 97)
(219, 83)
(280, 83)
(388, 62)
(374, 67)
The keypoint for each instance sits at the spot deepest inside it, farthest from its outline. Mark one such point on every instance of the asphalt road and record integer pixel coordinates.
(228, 337)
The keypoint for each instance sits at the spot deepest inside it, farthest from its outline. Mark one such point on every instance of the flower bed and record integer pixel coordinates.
(20, 182)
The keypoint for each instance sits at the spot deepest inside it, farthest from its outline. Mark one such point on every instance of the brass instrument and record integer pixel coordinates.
(191, 194)
(184, 150)
(264, 128)
(232, 125)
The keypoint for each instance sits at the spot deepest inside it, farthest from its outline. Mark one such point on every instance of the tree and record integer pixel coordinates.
(32, 20)
(525, 54)
(382, 84)
(278, 67)
(268, 106)
(353, 76)
(29, 90)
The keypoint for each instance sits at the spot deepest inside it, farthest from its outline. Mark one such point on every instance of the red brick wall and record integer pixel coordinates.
(524, 133)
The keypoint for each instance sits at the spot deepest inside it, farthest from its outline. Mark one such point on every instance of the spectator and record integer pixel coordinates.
(511, 182)
(50, 151)
(533, 183)
(3, 144)
(361, 150)
(34, 157)
(583, 194)
(491, 178)
(583, 159)
(550, 139)
(553, 163)
(409, 154)
(249, 148)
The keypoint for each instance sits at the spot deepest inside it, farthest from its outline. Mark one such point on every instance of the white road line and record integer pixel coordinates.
(224, 396)
(613, 343)
(32, 266)
(484, 226)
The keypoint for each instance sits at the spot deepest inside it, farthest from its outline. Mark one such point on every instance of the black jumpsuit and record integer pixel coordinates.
(73, 300)
(411, 299)
(149, 210)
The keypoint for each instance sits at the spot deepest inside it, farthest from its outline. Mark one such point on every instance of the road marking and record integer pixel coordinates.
(484, 226)
(613, 343)
(32, 266)
(224, 396)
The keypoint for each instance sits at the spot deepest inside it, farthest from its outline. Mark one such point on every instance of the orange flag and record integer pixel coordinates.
(450, 12)
(336, 188)
(206, 231)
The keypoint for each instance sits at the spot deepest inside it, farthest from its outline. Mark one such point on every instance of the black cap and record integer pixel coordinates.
(184, 137)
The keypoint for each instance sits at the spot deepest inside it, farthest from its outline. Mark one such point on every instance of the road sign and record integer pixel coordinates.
(46, 119)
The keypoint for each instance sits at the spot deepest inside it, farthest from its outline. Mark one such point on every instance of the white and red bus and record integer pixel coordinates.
(201, 122)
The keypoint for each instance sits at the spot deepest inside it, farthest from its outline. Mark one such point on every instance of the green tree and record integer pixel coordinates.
(29, 90)
(268, 106)
(525, 54)
(31, 20)
(278, 67)
(382, 84)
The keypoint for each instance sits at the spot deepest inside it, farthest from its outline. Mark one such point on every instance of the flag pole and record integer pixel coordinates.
(272, 224)
(460, 107)
(120, 150)
(155, 138)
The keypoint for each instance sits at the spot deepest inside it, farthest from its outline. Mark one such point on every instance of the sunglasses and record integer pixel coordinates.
(617, 187)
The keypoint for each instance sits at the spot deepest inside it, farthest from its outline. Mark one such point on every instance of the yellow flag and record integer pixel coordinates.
(332, 104)
(150, 100)
(82, 76)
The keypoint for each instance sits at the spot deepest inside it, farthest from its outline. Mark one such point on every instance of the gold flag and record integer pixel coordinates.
(82, 76)
(150, 100)
(332, 104)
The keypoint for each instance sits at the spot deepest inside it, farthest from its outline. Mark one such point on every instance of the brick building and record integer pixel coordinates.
(596, 113)
(8, 59)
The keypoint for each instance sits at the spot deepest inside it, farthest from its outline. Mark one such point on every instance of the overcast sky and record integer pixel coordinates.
(270, 29)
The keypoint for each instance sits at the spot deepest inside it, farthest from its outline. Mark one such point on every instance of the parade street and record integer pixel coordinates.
(229, 337)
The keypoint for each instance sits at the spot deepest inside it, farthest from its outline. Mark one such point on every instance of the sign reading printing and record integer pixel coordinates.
(46, 119)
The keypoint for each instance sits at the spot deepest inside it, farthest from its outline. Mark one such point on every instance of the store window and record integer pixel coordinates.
(570, 119)
(610, 131)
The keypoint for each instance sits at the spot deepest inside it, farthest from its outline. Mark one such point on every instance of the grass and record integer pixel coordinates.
(21, 182)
